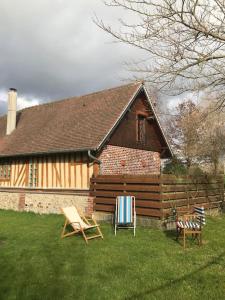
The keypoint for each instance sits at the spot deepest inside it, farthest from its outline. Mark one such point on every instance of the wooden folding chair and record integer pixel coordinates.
(125, 213)
(79, 223)
(191, 224)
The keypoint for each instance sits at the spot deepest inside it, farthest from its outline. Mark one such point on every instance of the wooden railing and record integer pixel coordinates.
(183, 193)
(146, 190)
(156, 195)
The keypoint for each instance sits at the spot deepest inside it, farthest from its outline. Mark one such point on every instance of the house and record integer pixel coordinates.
(49, 152)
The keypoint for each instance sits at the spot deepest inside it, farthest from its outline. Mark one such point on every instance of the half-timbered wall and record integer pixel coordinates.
(60, 171)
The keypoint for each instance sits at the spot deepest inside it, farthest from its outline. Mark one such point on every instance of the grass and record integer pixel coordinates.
(36, 264)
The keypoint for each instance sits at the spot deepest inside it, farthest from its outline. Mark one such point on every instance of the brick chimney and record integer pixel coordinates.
(11, 116)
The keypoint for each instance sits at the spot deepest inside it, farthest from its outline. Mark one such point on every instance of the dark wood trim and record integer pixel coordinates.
(37, 166)
(141, 113)
(4, 179)
(58, 177)
(74, 165)
(69, 169)
(20, 170)
(64, 159)
(23, 175)
(88, 173)
(26, 179)
(60, 161)
(46, 171)
(15, 171)
(81, 170)
(42, 171)
(46, 191)
(95, 169)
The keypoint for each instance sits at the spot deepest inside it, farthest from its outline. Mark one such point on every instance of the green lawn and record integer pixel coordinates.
(35, 263)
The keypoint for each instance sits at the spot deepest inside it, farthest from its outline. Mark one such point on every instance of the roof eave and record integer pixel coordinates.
(47, 152)
(140, 87)
(99, 146)
(157, 120)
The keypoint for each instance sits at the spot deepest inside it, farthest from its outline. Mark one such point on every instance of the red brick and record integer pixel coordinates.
(90, 206)
(121, 160)
(21, 204)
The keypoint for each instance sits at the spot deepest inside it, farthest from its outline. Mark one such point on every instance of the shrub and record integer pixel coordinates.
(175, 166)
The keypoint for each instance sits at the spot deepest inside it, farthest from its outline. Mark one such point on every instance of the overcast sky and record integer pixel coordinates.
(51, 49)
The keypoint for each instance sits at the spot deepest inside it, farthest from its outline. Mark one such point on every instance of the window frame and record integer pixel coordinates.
(33, 173)
(141, 137)
(5, 171)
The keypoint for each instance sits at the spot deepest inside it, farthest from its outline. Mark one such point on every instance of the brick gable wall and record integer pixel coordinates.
(121, 160)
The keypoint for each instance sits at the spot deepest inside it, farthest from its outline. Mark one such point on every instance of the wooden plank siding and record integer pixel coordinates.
(185, 192)
(125, 135)
(60, 171)
(146, 190)
(157, 195)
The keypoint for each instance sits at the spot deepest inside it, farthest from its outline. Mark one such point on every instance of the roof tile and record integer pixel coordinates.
(66, 125)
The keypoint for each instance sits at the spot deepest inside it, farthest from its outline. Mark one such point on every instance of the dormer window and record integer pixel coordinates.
(141, 120)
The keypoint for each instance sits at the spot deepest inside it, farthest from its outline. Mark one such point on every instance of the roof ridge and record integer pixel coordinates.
(74, 97)
(109, 89)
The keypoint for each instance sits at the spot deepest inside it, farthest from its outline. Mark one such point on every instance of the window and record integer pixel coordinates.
(5, 171)
(32, 173)
(141, 129)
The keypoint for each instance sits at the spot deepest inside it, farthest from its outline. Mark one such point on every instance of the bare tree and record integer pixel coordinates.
(197, 135)
(185, 40)
(211, 144)
(184, 132)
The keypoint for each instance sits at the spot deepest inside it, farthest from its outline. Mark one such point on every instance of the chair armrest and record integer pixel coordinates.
(187, 217)
(89, 217)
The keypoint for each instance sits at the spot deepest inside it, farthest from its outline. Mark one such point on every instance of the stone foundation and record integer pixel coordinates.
(50, 202)
(141, 220)
(44, 202)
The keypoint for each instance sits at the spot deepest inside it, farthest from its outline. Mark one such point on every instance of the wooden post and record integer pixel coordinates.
(96, 169)
(160, 198)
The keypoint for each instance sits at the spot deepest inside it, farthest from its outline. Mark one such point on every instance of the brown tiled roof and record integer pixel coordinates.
(72, 124)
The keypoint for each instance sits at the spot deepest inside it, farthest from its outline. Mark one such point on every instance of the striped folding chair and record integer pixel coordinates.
(191, 224)
(125, 214)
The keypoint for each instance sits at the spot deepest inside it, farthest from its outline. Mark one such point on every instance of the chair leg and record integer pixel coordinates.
(64, 228)
(134, 226)
(63, 234)
(184, 239)
(99, 231)
(84, 235)
(177, 233)
(200, 239)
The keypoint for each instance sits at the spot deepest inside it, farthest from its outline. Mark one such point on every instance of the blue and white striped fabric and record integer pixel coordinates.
(199, 222)
(200, 212)
(125, 210)
(188, 224)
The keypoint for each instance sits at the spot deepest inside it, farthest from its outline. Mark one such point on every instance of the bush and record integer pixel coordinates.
(175, 167)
